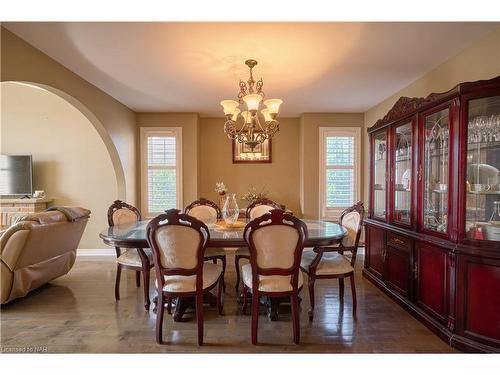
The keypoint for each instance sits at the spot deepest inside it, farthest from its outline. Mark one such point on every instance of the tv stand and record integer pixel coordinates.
(12, 208)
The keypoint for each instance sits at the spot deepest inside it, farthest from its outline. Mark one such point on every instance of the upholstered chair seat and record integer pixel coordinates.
(254, 210)
(121, 213)
(179, 242)
(273, 283)
(131, 257)
(208, 212)
(184, 284)
(275, 241)
(330, 264)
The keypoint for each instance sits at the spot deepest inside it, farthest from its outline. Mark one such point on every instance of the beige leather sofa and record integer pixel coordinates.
(38, 248)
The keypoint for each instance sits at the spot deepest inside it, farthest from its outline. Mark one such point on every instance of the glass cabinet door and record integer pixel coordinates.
(402, 174)
(435, 163)
(379, 174)
(482, 203)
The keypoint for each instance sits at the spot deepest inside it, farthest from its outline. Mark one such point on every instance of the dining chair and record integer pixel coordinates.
(138, 260)
(275, 241)
(209, 213)
(255, 209)
(178, 242)
(331, 262)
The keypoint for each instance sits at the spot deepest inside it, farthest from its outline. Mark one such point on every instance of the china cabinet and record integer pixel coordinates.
(433, 232)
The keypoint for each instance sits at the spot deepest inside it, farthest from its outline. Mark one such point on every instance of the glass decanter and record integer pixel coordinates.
(230, 211)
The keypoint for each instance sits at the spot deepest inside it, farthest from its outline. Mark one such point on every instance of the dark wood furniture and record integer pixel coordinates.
(181, 271)
(432, 236)
(270, 228)
(135, 259)
(330, 262)
(243, 252)
(133, 235)
(211, 253)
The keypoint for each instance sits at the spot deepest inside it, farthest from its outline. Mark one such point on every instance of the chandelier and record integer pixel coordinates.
(258, 123)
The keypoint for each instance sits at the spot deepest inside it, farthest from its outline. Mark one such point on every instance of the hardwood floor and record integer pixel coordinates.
(78, 313)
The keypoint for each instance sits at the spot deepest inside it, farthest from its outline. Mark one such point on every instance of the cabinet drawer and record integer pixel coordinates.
(399, 242)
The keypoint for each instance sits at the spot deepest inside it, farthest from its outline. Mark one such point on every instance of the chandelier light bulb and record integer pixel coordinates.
(235, 114)
(266, 114)
(273, 105)
(247, 117)
(229, 106)
(252, 101)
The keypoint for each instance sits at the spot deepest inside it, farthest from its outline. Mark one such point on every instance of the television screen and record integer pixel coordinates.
(16, 175)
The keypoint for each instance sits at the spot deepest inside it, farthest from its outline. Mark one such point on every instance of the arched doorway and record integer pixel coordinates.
(75, 160)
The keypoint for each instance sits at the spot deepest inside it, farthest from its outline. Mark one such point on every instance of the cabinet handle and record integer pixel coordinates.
(419, 173)
(415, 271)
(398, 241)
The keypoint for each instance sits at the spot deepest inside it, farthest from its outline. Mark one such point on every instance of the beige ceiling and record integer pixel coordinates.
(313, 67)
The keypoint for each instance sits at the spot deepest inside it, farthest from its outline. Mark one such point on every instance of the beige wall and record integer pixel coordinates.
(309, 154)
(479, 61)
(114, 122)
(70, 160)
(189, 124)
(280, 178)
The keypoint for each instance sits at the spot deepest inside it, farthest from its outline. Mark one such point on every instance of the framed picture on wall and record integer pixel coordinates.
(242, 153)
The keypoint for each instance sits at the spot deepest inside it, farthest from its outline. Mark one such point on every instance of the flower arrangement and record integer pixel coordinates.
(252, 194)
(220, 188)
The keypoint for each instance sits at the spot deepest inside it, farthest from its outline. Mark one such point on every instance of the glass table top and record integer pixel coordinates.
(134, 234)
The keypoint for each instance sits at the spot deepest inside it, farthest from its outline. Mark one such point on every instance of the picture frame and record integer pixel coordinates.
(242, 154)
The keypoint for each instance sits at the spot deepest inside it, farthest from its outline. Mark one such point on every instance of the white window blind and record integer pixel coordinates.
(161, 165)
(339, 170)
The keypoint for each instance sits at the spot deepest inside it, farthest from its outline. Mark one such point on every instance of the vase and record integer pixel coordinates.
(222, 200)
(230, 211)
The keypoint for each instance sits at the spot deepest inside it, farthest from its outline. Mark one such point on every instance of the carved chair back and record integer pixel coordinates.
(352, 220)
(122, 213)
(275, 240)
(178, 242)
(260, 207)
(204, 210)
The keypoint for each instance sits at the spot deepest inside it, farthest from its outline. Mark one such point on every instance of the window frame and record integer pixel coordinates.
(326, 213)
(146, 132)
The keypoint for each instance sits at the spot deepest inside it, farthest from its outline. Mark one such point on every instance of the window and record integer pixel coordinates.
(339, 170)
(161, 170)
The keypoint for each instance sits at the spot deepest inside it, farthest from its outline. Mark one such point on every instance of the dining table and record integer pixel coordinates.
(133, 235)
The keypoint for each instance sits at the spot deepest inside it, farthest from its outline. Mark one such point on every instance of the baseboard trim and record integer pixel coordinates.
(95, 252)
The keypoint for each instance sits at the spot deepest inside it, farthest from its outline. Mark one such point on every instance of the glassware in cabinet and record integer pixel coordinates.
(379, 175)
(482, 203)
(402, 173)
(435, 172)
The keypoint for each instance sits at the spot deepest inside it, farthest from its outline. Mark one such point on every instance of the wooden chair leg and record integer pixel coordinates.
(117, 281)
(341, 289)
(353, 291)
(224, 273)
(147, 301)
(138, 278)
(245, 298)
(295, 318)
(169, 306)
(237, 268)
(159, 318)
(311, 282)
(220, 288)
(199, 315)
(255, 315)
